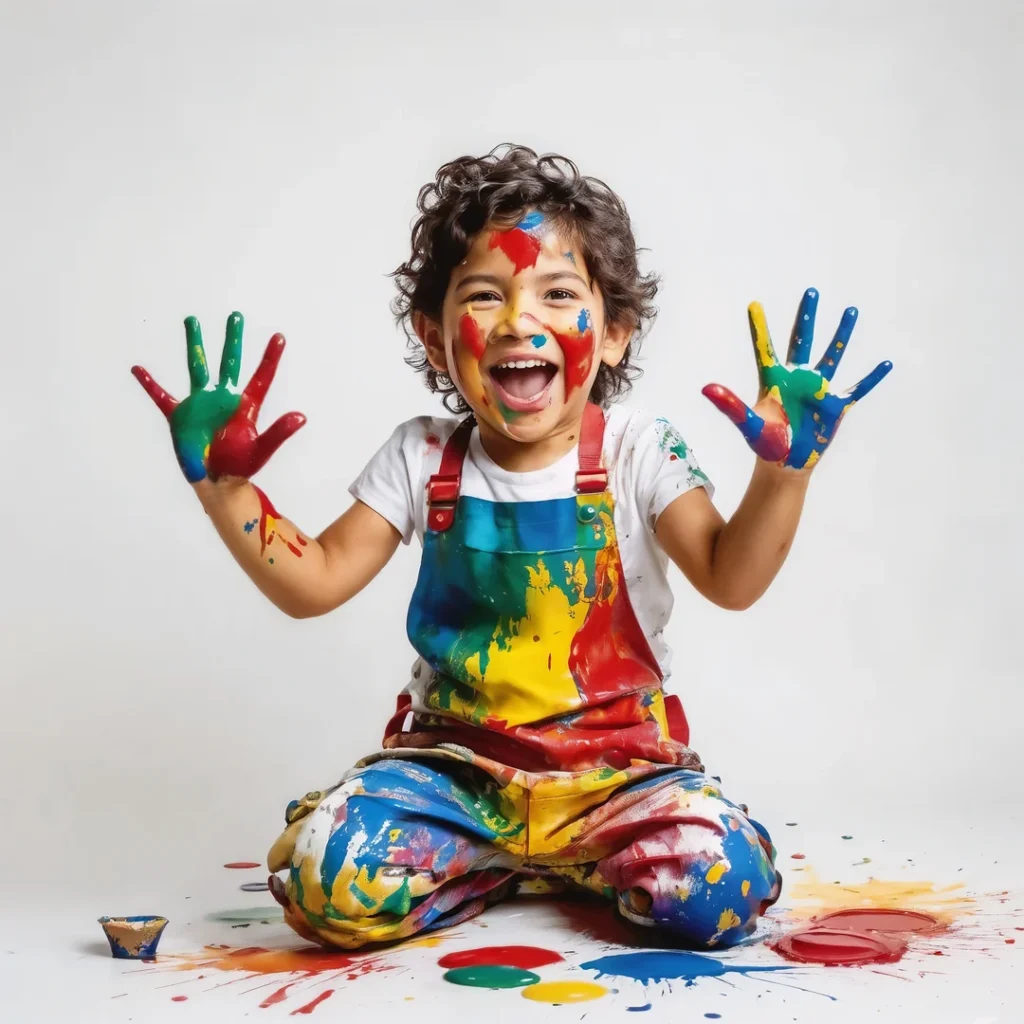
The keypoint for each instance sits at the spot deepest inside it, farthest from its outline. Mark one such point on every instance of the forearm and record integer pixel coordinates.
(751, 547)
(287, 565)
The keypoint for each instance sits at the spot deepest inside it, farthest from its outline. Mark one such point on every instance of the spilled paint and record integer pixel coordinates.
(524, 957)
(262, 915)
(561, 992)
(657, 965)
(239, 865)
(491, 976)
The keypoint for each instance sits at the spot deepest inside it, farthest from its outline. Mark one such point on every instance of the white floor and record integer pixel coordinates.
(74, 979)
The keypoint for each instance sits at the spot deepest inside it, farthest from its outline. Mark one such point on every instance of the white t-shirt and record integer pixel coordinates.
(649, 465)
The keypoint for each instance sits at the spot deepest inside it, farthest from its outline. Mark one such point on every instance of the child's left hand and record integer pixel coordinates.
(796, 415)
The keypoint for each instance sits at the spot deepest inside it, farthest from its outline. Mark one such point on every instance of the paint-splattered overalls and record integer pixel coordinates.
(535, 741)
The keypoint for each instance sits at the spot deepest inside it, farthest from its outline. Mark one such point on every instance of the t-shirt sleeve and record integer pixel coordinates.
(393, 480)
(663, 467)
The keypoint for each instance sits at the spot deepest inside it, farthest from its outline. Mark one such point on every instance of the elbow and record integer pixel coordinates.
(735, 602)
(303, 611)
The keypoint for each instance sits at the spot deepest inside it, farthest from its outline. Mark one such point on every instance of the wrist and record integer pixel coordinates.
(217, 493)
(780, 475)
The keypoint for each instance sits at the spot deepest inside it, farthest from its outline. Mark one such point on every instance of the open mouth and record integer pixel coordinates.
(523, 384)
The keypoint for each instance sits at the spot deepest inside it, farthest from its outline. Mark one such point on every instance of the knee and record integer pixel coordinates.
(705, 888)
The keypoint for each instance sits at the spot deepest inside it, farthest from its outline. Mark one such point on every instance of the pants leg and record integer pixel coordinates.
(682, 858)
(399, 847)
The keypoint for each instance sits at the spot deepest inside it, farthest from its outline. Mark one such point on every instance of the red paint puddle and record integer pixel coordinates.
(597, 920)
(523, 957)
(276, 997)
(242, 864)
(311, 1006)
(179, 999)
(857, 936)
(799, 856)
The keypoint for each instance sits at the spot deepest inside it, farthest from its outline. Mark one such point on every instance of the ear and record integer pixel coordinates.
(616, 338)
(432, 339)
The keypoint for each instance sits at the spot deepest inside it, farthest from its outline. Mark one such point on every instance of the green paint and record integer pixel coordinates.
(267, 914)
(399, 902)
(495, 976)
(797, 388)
(366, 900)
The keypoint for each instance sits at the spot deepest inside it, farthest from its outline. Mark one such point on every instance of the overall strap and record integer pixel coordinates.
(444, 485)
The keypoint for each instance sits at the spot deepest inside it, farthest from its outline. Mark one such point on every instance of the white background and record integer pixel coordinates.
(169, 159)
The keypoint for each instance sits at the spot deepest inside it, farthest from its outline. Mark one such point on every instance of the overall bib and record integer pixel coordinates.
(534, 741)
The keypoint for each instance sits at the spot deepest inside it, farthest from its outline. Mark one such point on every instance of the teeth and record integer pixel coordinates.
(520, 364)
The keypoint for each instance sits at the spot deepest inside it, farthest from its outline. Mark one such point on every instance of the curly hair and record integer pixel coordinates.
(470, 192)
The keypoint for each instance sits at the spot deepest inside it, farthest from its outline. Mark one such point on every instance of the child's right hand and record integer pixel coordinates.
(214, 429)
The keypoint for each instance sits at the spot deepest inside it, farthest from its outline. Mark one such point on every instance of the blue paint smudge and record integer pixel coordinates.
(639, 1009)
(572, 259)
(249, 527)
(583, 320)
(532, 220)
(538, 340)
(668, 965)
(713, 1016)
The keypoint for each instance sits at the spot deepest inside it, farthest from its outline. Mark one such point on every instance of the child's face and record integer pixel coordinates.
(522, 332)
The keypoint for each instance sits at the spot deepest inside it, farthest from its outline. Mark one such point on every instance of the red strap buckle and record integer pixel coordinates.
(442, 490)
(591, 482)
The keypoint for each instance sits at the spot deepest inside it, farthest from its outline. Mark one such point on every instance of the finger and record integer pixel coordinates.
(868, 383)
(256, 389)
(231, 354)
(164, 402)
(274, 436)
(762, 339)
(830, 360)
(198, 372)
(803, 329)
(770, 441)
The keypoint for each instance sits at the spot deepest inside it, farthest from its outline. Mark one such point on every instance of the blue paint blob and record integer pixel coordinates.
(639, 1009)
(583, 320)
(657, 965)
(713, 1016)
(249, 527)
(532, 220)
(538, 340)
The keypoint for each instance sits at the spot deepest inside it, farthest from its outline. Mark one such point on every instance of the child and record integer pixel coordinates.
(535, 739)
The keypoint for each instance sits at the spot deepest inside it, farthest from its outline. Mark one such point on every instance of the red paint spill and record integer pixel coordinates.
(269, 517)
(519, 246)
(179, 999)
(1009, 942)
(276, 997)
(523, 957)
(305, 960)
(471, 336)
(799, 856)
(311, 1006)
(242, 864)
(857, 936)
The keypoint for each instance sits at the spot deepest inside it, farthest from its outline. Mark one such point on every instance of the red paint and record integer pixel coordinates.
(881, 920)
(311, 1006)
(276, 997)
(179, 999)
(798, 856)
(267, 511)
(857, 936)
(519, 246)
(305, 960)
(578, 350)
(242, 864)
(524, 957)
(1010, 942)
(836, 947)
(471, 336)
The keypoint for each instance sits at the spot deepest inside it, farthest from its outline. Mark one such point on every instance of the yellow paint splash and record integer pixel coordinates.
(564, 991)
(716, 871)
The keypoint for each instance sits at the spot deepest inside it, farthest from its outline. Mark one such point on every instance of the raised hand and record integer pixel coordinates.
(214, 429)
(796, 416)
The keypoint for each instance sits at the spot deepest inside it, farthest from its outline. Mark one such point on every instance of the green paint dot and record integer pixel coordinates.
(270, 561)
(491, 976)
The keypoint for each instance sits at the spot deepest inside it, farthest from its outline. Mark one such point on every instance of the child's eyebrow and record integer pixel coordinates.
(556, 274)
(480, 279)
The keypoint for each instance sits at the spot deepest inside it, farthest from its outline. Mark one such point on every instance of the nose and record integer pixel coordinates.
(518, 320)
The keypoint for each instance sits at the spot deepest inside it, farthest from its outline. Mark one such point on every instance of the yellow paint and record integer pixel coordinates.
(313, 899)
(762, 339)
(564, 991)
(200, 354)
(817, 897)
(728, 919)
(745, 888)
(394, 834)
(716, 871)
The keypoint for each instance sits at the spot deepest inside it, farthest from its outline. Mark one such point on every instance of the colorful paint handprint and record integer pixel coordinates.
(809, 412)
(214, 429)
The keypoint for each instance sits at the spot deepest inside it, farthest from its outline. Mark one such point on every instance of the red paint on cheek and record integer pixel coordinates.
(579, 357)
(521, 248)
(471, 336)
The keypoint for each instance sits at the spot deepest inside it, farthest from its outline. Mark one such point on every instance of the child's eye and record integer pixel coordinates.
(484, 297)
(558, 294)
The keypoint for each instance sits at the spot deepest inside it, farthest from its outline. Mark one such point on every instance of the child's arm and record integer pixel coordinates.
(733, 563)
(218, 448)
(793, 423)
(302, 576)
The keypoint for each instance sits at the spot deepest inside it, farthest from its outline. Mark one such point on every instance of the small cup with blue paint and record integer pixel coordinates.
(133, 938)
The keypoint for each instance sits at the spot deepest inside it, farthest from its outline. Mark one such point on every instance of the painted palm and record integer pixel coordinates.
(806, 413)
(214, 429)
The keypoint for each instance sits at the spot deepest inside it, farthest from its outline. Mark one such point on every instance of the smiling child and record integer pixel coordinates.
(535, 739)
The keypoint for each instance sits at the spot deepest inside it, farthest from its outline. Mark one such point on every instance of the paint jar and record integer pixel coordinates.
(133, 938)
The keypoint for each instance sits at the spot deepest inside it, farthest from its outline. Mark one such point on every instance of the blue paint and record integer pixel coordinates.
(249, 527)
(570, 257)
(583, 323)
(152, 926)
(531, 221)
(657, 965)
(538, 340)
(713, 1016)
(639, 1009)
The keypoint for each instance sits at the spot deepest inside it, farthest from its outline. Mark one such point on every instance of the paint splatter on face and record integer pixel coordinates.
(526, 326)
